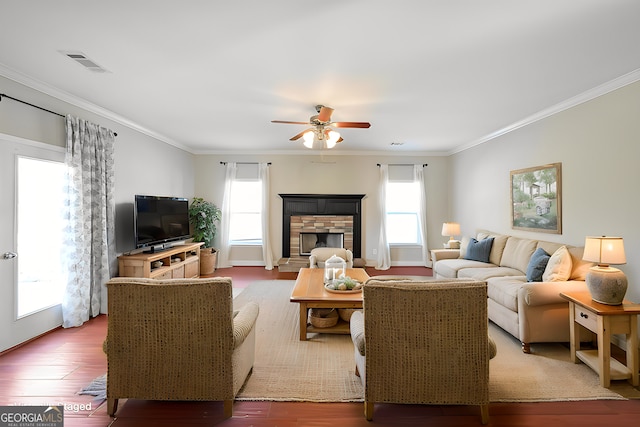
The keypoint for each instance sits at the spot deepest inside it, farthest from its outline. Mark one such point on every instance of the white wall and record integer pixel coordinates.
(331, 174)
(598, 144)
(143, 165)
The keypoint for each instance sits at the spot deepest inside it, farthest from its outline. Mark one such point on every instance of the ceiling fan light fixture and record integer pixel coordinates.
(332, 138)
(325, 136)
(308, 137)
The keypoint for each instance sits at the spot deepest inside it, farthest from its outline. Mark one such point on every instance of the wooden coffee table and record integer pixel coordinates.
(309, 292)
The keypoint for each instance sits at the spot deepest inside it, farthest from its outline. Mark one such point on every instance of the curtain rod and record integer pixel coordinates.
(29, 104)
(245, 163)
(34, 106)
(424, 165)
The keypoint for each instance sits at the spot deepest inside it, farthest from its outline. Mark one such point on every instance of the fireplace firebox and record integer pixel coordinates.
(309, 241)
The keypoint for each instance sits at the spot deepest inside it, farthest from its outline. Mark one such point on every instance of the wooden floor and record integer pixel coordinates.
(54, 367)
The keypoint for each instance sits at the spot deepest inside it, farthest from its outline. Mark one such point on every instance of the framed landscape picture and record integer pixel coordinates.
(536, 199)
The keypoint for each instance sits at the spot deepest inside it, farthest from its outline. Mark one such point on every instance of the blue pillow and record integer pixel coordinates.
(537, 264)
(479, 250)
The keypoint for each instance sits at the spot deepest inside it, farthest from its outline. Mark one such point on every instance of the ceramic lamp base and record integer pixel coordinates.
(607, 285)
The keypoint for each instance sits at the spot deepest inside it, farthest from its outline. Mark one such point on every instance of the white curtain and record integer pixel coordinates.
(384, 253)
(267, 255)
(223, 254)
(418, 177)
(89, 254)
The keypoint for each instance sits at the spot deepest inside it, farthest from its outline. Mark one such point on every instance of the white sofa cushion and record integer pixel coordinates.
(504, 290)
(559, 266)
(486, 273)
(517, 253)
(448, 268)
(579, 267)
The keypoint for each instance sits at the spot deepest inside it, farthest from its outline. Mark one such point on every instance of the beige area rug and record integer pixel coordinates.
(321, 369)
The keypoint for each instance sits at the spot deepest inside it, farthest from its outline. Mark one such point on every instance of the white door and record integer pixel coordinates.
(16, 327)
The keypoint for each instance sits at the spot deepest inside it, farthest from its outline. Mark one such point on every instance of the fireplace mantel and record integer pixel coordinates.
(321, 204)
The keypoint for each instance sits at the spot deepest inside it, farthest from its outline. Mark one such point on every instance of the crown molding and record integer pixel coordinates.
(61, 95)
(324, 153)
(596, 92)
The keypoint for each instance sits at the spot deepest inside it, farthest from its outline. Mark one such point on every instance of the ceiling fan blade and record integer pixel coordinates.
(298, 136)
(363, 125)
(325, 114)
(289, 123)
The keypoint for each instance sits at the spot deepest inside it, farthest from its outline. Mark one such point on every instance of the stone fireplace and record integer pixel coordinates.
(316, 220)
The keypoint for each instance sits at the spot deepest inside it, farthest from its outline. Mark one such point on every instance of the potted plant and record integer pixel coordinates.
(203, 216)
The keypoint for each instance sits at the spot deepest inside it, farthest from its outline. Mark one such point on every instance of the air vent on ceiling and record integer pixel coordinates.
(82, 59)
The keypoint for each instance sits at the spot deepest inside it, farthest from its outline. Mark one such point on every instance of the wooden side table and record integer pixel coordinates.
(605, 321)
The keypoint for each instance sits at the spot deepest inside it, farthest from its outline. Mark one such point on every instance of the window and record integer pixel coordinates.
(245, 224)
(39, 234)
(402, 213)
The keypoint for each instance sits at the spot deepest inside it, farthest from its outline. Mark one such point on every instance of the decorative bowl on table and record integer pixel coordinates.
(344, 285)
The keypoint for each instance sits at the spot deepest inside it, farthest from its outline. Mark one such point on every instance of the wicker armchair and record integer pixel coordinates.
(423, 342)
(177, 339)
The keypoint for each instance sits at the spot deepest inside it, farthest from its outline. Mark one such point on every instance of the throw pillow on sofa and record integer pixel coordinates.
(559, 266)
(479, 250)
(537, 265)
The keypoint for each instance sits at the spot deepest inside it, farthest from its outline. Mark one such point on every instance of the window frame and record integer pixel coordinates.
(245, 242)
(393, 211)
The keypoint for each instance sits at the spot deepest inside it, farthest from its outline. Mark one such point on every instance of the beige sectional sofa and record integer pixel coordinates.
(530, 311)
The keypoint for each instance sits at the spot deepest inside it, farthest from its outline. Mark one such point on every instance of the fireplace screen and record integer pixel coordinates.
(309, 241)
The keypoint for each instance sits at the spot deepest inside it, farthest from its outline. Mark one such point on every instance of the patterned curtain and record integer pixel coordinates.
(89, 256)
(384, 252)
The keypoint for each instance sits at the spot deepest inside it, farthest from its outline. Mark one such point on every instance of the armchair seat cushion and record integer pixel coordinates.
(243, 322)
(356, 325)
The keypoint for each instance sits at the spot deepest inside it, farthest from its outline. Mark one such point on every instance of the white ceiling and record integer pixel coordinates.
(434, 76)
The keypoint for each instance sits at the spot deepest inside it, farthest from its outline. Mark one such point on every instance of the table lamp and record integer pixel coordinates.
(607, 285)
(451, 229)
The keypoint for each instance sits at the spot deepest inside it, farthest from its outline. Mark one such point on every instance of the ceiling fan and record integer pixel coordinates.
(322, 128)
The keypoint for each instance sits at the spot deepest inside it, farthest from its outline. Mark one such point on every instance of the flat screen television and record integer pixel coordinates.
(159, 220)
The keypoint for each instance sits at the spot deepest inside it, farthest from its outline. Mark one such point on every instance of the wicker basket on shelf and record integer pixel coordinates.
(323, 317)
(345, 313)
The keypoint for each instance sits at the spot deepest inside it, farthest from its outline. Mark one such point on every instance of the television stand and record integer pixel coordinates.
(178, 262)
(157, 249)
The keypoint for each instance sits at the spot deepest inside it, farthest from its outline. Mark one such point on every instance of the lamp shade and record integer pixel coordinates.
(450, 229)
(604, 250)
